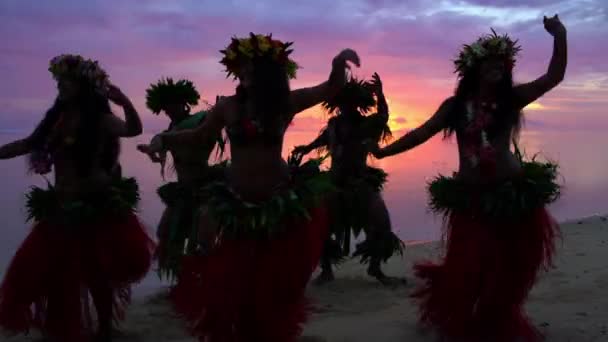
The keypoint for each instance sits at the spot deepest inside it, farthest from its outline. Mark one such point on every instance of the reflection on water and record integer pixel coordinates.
(583, 168)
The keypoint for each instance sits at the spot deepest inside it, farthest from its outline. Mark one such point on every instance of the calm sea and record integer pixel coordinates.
(585, 173)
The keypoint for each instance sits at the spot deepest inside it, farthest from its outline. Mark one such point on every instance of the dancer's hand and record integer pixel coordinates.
(346, 55)
(554, 26)
(156, 144)
(376, 84)
(300, 150)
(117, 96)
(154, 156)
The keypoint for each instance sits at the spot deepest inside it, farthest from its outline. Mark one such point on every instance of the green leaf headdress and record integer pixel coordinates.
(356, 93)
(166, 91)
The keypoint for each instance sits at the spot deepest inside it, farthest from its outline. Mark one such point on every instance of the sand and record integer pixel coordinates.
(570, 303)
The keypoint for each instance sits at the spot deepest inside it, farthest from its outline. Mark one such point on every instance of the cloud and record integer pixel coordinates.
(411, 44)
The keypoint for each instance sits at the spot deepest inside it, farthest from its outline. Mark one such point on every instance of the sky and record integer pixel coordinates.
(411, 44)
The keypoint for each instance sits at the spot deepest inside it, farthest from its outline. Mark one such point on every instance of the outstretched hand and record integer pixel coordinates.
(300, 151)
(376, 84)
(554, 26)
(156, 144)
(154, 156)
(347, 55)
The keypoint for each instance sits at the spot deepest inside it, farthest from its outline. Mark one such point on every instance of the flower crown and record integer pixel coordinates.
(166, 91)
(258, 45)
(76, 66)
(487, 46)
(355, 92)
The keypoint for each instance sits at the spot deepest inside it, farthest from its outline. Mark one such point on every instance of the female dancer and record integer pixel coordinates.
(358, 205)
(179, 223)
(86, 234)
(499, 234)
(266, 219)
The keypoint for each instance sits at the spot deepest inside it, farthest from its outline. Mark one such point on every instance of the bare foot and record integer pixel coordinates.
(384, 279)
(324, 278)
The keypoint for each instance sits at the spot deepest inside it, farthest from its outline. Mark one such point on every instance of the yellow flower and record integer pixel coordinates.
(263, 43)
(230, 54)
(246, 51)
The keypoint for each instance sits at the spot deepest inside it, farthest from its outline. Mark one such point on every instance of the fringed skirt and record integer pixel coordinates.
(56, 268)
(480, 287)
(251, 289)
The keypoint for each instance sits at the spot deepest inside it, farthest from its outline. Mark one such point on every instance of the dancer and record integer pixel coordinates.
(499, 234)
(358, 204)
(86, 237)
(179, 223)
(267, 220)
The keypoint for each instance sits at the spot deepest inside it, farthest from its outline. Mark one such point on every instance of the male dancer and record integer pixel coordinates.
(179, 224)
(358, 203)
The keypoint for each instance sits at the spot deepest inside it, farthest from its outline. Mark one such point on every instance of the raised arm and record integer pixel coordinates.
(131, 126)
(208, 130)
(15, 149)
(382, 106)
(420, 135)
(529, 92)
(304, 98)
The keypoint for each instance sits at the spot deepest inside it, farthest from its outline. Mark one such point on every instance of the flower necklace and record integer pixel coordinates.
(478, 149)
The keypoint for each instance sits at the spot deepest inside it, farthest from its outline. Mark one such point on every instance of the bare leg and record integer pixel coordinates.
(327, 273)
(379, 226)
(103, 298)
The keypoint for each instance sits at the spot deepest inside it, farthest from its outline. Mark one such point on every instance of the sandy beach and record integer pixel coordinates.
(570, 303)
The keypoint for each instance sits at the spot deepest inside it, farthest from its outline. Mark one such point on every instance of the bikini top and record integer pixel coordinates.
(247, 131)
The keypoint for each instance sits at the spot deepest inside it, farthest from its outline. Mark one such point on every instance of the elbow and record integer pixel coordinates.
(135, 130)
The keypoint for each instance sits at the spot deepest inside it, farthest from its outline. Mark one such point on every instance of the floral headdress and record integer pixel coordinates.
(356, 92)
(166, 91)
(491, 45)
(258, 45)
(76, 66)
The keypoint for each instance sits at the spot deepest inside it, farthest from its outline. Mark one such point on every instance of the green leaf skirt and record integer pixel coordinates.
(508, 200)
(120, 198)
(240, 218)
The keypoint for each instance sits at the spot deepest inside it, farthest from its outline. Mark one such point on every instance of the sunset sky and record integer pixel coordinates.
(409, 43)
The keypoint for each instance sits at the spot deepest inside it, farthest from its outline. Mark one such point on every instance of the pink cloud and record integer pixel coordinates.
(138, 42)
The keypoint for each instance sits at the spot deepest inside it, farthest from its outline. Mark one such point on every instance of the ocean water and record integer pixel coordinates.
(584, 172)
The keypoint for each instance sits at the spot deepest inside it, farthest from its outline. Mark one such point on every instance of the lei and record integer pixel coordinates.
(258, 45)
(67, 65)
(477, 147)
(484, 47)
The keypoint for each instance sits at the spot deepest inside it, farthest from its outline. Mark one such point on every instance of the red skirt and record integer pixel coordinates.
(51, 275)
(252, 290)
(477, 292)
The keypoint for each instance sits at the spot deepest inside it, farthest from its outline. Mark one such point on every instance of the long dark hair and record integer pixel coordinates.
(269, 91)
(506, 115)
(92, 108)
